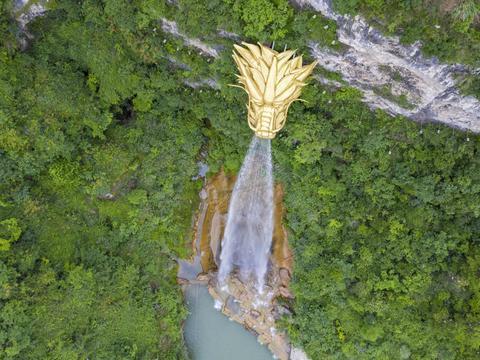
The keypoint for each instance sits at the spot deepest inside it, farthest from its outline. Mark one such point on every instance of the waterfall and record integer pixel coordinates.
(248, 233)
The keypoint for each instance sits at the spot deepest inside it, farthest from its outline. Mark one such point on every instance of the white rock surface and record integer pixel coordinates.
(172, 28)
(298, 354)
(373, 61)
(29, 12)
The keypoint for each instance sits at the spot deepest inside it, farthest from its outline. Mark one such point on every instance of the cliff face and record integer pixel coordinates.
(211, 219)
(393, 77)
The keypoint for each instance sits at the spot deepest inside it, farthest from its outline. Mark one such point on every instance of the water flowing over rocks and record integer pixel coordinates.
(257, 312)
(240, 300)
(392, 76)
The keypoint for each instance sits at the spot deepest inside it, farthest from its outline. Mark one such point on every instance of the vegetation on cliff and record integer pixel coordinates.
(99, 139)
(448, 29)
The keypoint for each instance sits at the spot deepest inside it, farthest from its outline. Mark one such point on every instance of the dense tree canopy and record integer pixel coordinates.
(99, 139)
(384, 218)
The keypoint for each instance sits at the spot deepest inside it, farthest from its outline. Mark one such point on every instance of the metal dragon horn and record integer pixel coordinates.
(272, 81)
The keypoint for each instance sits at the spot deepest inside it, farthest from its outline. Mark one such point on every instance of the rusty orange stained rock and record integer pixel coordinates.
(272, 81)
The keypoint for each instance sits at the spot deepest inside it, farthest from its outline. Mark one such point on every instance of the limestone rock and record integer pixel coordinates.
(255, 314)
(298, 354)
(203, 278)
(216, 235)
(285, 292)
(284, 276)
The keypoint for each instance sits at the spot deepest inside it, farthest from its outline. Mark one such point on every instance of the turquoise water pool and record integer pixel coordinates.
(210, 335)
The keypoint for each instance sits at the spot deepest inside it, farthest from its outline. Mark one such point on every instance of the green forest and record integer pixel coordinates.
(99, 142)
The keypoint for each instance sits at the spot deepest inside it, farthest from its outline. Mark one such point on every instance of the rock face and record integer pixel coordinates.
(211, 219)
(27, 11)
(256, 312)
(298, 354)
(391, 76)
(394, 77)
(204, 49)
(212, 224)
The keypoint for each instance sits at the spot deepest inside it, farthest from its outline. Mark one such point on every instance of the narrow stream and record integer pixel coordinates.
(210, 335)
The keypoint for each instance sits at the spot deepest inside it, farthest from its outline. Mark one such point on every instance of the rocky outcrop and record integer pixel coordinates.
(25, 11)
(204, 49)
(28, 10)
(257, 312)
(298, 354)
(392, 76)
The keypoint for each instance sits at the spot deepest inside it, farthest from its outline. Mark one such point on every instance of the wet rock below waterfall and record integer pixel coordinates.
(257, 312)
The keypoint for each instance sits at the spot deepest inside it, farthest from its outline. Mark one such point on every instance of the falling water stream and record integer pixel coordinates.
(248, 233)
(245, 250)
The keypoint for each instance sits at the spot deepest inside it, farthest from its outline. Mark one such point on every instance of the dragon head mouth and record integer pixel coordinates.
(272, 81)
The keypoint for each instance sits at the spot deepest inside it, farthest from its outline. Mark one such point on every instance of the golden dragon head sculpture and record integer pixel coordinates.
(272, 81)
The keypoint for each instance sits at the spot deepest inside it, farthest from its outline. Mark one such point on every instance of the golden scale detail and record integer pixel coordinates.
(272, 80)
